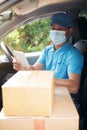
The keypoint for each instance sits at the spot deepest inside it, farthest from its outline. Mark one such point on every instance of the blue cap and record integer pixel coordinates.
(62, 19)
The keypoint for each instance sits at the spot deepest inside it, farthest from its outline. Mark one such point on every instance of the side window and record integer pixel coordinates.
(31, 37)
(82, 24)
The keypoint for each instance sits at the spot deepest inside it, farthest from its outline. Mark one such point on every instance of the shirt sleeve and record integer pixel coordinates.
(42, 58)
(75, 64)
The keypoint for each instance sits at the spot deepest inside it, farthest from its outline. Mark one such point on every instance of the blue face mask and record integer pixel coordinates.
(57, 37)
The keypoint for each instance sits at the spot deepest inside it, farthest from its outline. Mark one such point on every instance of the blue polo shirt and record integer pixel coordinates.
(63, 61)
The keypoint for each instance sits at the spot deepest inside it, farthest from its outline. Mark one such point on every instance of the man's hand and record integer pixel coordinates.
(17, 65)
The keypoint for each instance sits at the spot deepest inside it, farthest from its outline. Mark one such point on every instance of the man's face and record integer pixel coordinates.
(57, 27)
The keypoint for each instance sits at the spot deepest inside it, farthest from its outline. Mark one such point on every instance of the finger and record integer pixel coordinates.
(32, 68)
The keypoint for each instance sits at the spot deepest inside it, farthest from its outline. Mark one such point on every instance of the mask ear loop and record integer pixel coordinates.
(70, 30)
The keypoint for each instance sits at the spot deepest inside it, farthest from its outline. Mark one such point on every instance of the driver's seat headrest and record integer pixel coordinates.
(81, 46)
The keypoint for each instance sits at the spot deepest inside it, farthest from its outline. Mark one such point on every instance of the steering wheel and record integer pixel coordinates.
(7, 51)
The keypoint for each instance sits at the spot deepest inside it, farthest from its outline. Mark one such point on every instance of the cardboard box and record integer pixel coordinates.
(64, 116)
(29, 93)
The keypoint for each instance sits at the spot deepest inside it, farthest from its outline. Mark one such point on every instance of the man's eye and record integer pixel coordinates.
(54, 29)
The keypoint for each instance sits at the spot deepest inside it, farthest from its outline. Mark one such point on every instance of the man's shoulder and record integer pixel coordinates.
(75, 51)
(75, 54)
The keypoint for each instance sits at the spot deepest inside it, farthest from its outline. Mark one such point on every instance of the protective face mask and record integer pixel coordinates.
(57, 37)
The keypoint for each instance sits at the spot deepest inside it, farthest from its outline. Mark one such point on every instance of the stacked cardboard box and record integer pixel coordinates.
(57, 113)
(29, 93)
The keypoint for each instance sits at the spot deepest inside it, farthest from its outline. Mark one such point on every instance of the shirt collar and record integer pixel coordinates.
(66, 46)
(62, 49)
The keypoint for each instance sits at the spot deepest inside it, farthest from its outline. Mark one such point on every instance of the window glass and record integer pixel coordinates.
(31, 37)
(82, 24)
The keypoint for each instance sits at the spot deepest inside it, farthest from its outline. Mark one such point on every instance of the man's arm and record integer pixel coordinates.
(73, 83)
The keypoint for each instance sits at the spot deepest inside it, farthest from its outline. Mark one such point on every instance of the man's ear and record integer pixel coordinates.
(70, 31)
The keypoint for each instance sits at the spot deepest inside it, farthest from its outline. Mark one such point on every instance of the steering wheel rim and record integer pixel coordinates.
(8, 53)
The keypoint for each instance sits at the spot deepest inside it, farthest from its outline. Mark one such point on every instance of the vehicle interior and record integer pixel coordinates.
(14, 14)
